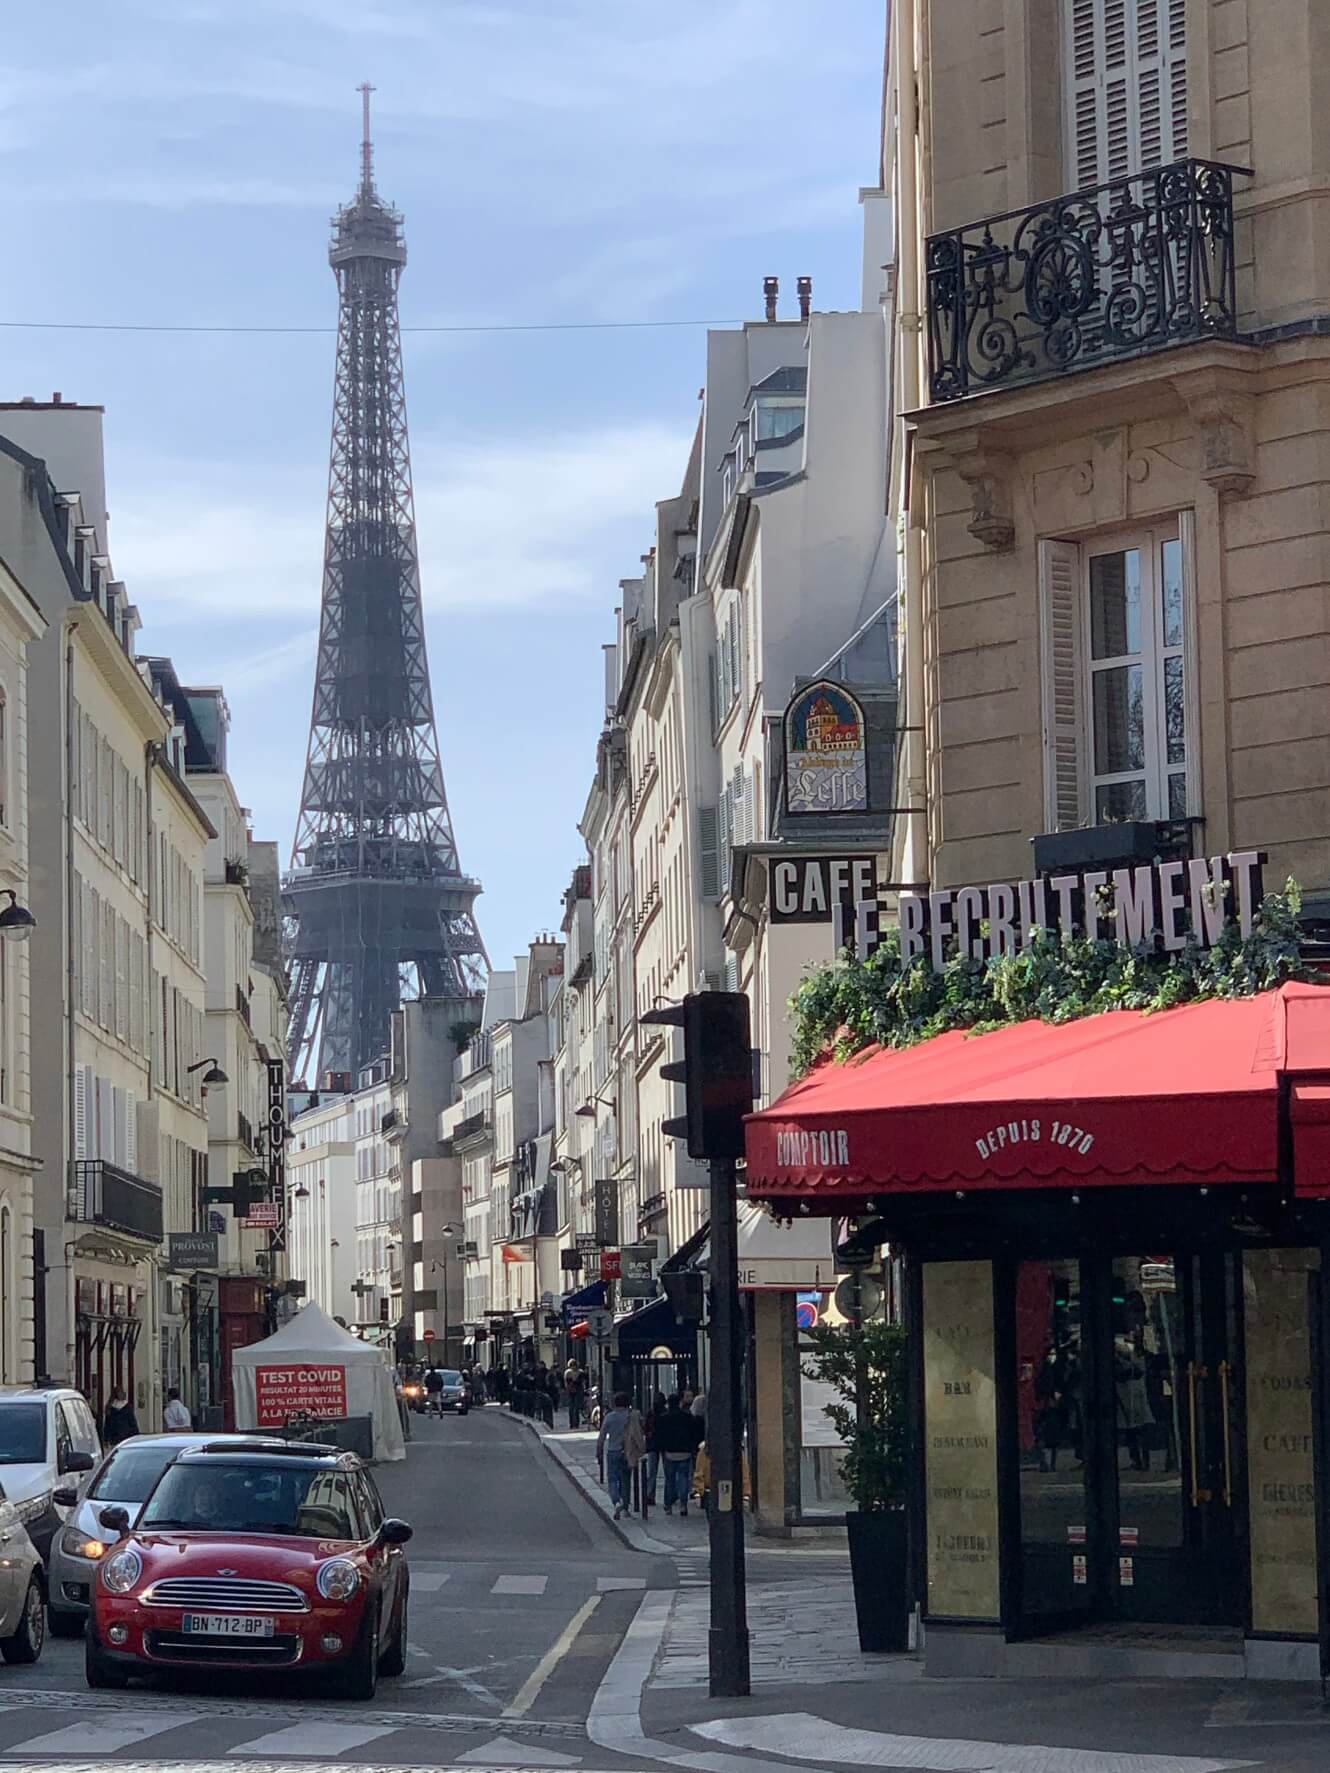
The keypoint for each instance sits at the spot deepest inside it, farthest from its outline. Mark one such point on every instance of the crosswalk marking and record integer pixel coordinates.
(429, 1581)
(613, 1584)
(504, 1752)
(106, 1735)
(317, 1737)
(520, 1585)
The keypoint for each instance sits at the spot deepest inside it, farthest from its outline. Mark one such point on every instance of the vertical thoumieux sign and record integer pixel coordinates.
(277, 1149)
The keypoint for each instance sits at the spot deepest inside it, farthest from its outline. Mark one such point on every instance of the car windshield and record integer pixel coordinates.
(211, 1496)
(450, 1376)
(22, 1434)
(130, 1473)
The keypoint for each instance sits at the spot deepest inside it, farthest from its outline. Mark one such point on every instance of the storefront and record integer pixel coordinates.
(1115, 1231)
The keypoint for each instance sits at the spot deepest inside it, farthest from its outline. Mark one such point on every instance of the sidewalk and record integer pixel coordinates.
(659, 1533)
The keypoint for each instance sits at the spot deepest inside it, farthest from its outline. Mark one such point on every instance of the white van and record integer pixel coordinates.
(46, 1434)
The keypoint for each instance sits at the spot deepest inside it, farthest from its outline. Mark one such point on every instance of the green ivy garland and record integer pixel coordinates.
(851, 1004)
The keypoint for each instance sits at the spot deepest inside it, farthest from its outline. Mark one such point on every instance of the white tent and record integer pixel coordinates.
(313, 1364)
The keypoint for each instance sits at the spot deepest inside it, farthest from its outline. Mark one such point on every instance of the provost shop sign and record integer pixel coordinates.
(1168, 903)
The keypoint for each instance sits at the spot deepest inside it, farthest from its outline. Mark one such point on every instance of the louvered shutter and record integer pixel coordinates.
(1064, 723)
(106, 983)
(131, 1159)
(121, 979)
(725, 821)
(1125, 80)
(81, 1106)
(105, 1120)
(709, 845)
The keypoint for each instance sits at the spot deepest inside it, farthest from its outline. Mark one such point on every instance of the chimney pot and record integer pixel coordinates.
(55, 398)
(770, 291)
(805, 288)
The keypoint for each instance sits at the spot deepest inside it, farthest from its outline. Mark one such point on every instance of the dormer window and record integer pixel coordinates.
(775, 419)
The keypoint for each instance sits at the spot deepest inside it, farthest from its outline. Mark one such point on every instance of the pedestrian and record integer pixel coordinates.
(434, 1391)
(698, 1410)
(553, 1394)
(676, 1442)
(502, 1385)
(574, 1386)
(477, 1386)
(120, 1421)
(176, 1416)
(619, 1449)
(653, 1416)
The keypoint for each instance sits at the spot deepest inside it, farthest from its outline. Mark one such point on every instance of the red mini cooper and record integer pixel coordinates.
(253, 1556)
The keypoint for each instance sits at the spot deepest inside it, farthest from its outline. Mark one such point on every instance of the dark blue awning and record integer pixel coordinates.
(588, 1298)
(655, 1326)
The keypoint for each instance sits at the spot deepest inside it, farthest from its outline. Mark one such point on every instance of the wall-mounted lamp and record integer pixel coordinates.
(16, 922)
(588, 1111)
(213, 1075)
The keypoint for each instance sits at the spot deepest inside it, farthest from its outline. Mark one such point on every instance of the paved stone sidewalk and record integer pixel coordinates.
(658, 1532)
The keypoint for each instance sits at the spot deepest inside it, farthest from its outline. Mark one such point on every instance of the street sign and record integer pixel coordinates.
(858, 1294)
(188, 1250)
(262, 1216)
(586, 1241)
(611, 1265)
(427, 1336)
(606, 1197)
(599, 1324)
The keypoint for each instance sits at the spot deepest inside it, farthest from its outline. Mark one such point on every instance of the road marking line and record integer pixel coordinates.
(504, 1752)
(104, 1735)
(316, 1737)
(429, 1581)
(616, 1584)
(801, 1736)
(531, 1687)
(520, 1585)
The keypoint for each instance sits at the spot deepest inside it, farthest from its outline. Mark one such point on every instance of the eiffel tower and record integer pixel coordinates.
(376, 907)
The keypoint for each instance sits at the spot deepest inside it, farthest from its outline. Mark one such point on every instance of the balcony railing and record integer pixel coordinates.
(1129, 267)
(471, 1126)
(242, 1004)
(104, 1194)
(387, 1120)
(245, 1132)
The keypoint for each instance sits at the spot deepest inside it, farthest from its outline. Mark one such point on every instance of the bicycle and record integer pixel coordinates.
(303, 1425)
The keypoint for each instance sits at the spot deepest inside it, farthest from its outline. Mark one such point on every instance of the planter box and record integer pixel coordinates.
(1097, 846)
(879, 1568)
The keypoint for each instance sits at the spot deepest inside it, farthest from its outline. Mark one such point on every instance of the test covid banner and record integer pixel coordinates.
(280, 1392)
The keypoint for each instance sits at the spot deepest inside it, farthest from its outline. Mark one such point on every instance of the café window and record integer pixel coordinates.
(1118, 678)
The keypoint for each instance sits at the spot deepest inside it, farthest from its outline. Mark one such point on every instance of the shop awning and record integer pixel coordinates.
(783, 1258)
(653, 1327)
(1190, 1095)
(588, 1298)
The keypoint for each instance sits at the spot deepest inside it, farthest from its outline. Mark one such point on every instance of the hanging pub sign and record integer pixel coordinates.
(826, 753)
(1167, 903)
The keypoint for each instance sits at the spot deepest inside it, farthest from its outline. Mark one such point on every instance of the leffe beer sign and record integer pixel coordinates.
(1164, 903)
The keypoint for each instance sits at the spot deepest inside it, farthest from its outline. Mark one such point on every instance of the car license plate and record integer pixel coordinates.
(227, 1625)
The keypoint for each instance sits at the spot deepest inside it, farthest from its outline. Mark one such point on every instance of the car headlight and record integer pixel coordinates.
(77, 1544)
(338, 1579)
(121, 1571)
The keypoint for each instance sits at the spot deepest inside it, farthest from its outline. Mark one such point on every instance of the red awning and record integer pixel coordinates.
(1191, 1095)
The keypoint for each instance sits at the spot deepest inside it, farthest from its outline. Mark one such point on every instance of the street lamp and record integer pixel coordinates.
(588, 1110)
(446, 1231)
(16, 922)
(213, 1075)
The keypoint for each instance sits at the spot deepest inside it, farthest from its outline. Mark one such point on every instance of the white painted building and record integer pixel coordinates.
(322, 1249)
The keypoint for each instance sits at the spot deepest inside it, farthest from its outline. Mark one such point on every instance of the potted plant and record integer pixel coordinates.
(866, 1367)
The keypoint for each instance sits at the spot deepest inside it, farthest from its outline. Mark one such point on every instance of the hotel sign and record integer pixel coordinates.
(1171, 903)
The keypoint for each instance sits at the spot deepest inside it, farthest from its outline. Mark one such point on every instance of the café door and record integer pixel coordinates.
(1129, 1431)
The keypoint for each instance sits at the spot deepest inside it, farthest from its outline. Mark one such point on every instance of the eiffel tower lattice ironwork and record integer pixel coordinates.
(376, 907)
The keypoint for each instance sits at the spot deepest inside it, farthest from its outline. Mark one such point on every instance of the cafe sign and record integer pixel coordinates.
(1168, 903)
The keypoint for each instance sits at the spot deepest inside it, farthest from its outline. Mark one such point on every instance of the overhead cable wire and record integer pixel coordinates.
(495, 326)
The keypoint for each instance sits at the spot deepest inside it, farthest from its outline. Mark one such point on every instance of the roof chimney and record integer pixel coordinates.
(805, 288)
(770, 290)
(56, 398)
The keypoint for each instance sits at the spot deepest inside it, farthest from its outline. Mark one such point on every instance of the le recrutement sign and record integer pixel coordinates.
(1172, 903)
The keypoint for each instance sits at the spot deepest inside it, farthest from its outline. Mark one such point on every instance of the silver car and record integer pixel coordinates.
(124, 1477)
(22, 1589)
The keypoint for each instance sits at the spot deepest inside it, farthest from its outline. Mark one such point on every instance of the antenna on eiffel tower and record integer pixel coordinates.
(376, 907)
(366, 144)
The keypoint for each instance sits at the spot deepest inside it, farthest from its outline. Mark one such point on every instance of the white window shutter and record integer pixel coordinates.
(131, 1132)
(82, 1082)
(709, 845)
(105, 1120)
(1125, 85)
(121, 978)
(1066, 740)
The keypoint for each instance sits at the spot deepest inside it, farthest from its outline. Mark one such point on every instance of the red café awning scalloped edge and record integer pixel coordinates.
(1192, 1095)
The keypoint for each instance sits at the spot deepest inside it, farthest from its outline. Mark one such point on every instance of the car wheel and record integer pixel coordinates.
(63, 1624)
(359, 1678)
(26, 1643)
(393, 1660)
(97, 1670)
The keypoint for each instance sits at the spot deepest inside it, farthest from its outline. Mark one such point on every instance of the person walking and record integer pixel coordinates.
(120, 1421)
(676, 1442)
(574, 1386)
(649, 1424)
(176, 1417)
(434, 1391)
(619, 1449)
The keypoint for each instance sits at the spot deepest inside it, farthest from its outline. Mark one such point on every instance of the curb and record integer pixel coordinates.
(635, 1537)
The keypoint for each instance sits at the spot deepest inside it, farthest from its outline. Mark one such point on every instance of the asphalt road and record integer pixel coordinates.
(520, 1596)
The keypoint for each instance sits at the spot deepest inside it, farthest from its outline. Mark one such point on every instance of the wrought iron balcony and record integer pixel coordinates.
(103, 1194)
(1133, 266)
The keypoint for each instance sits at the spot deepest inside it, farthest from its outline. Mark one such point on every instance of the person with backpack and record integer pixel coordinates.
(676, 1442)
(620, 1449)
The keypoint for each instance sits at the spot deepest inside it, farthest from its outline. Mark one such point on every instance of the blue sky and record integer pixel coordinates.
(556, 160)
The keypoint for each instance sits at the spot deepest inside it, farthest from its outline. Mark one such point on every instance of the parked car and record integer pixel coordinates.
(125, 1476)
(46, 1434)
(249, 1555)
(22, 1589)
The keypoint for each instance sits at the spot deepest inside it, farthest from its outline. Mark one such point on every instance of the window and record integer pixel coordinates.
(1118, 695)
(1125, 85)
(778, 418)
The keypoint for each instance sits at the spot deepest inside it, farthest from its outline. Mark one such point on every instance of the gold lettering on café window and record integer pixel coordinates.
(960, 1440)
(1279, 1440)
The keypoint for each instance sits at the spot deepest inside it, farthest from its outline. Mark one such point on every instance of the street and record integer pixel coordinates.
(539, 1638)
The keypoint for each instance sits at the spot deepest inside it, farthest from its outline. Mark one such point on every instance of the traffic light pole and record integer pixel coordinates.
(728, 1642)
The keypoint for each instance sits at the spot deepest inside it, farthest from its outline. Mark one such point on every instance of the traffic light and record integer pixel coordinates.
(244, 1191)
(716, 1071)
